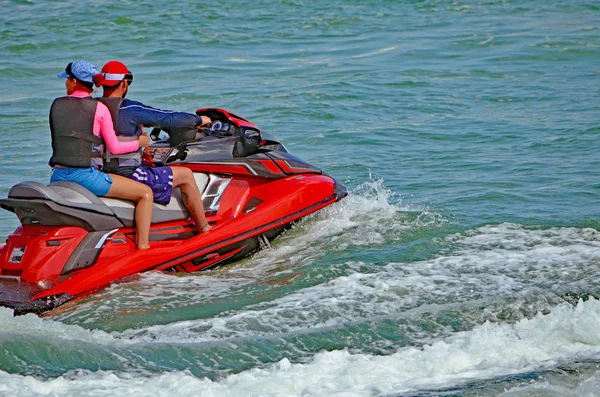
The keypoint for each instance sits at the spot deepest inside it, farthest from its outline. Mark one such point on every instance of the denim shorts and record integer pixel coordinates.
(90, 178)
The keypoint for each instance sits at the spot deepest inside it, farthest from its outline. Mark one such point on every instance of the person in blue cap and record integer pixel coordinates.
(129, 117)
(80, 126)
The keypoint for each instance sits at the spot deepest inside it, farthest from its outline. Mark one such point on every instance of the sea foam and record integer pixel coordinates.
(490, 350)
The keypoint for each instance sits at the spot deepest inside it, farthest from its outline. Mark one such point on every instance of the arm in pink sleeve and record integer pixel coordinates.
(103, 126)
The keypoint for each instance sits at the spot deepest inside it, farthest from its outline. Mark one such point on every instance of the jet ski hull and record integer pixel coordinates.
(59, 263)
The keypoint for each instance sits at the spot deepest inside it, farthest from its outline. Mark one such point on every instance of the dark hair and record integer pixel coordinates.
(89, 86)
(111, 86)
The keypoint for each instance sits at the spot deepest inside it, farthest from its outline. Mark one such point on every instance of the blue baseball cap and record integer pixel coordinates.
(81, 70)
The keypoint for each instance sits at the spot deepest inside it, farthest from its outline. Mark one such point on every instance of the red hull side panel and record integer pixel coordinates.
(47, 250)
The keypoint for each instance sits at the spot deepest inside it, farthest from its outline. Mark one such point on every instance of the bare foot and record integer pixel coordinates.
(206, 227)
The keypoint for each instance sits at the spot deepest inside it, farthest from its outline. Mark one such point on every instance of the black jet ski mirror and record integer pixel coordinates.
(247, 144)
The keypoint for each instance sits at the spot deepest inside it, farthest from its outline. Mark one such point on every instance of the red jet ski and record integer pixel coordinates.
(72, 243)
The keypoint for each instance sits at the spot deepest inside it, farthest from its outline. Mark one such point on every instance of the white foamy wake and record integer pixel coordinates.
(490, 264)
(31, 325)
(590, 387)
(371, 215)
(157, 292)
(498, 260)
(487, 351)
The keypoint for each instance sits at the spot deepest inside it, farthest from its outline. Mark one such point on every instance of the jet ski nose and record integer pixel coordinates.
(339, 191)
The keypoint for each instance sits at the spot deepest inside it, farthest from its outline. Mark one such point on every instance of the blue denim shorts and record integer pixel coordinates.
(90, 178)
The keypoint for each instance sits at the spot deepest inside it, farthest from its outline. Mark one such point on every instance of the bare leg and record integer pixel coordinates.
(129, 189)
(183, 178)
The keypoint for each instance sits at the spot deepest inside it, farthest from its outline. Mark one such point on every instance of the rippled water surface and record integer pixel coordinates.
(465, 261)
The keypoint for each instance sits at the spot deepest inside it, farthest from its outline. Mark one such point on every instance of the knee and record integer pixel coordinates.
(182, 175)
(146, 194)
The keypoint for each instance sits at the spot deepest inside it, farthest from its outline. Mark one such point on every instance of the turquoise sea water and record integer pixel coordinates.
(465, 261)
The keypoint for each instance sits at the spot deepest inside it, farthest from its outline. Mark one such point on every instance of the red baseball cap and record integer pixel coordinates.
(113, 73)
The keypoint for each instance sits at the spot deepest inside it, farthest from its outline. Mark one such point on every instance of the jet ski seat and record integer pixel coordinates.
(173, 211)
(68, 203)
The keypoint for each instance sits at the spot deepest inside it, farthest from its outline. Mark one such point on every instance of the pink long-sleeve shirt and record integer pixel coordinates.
(103, 127)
